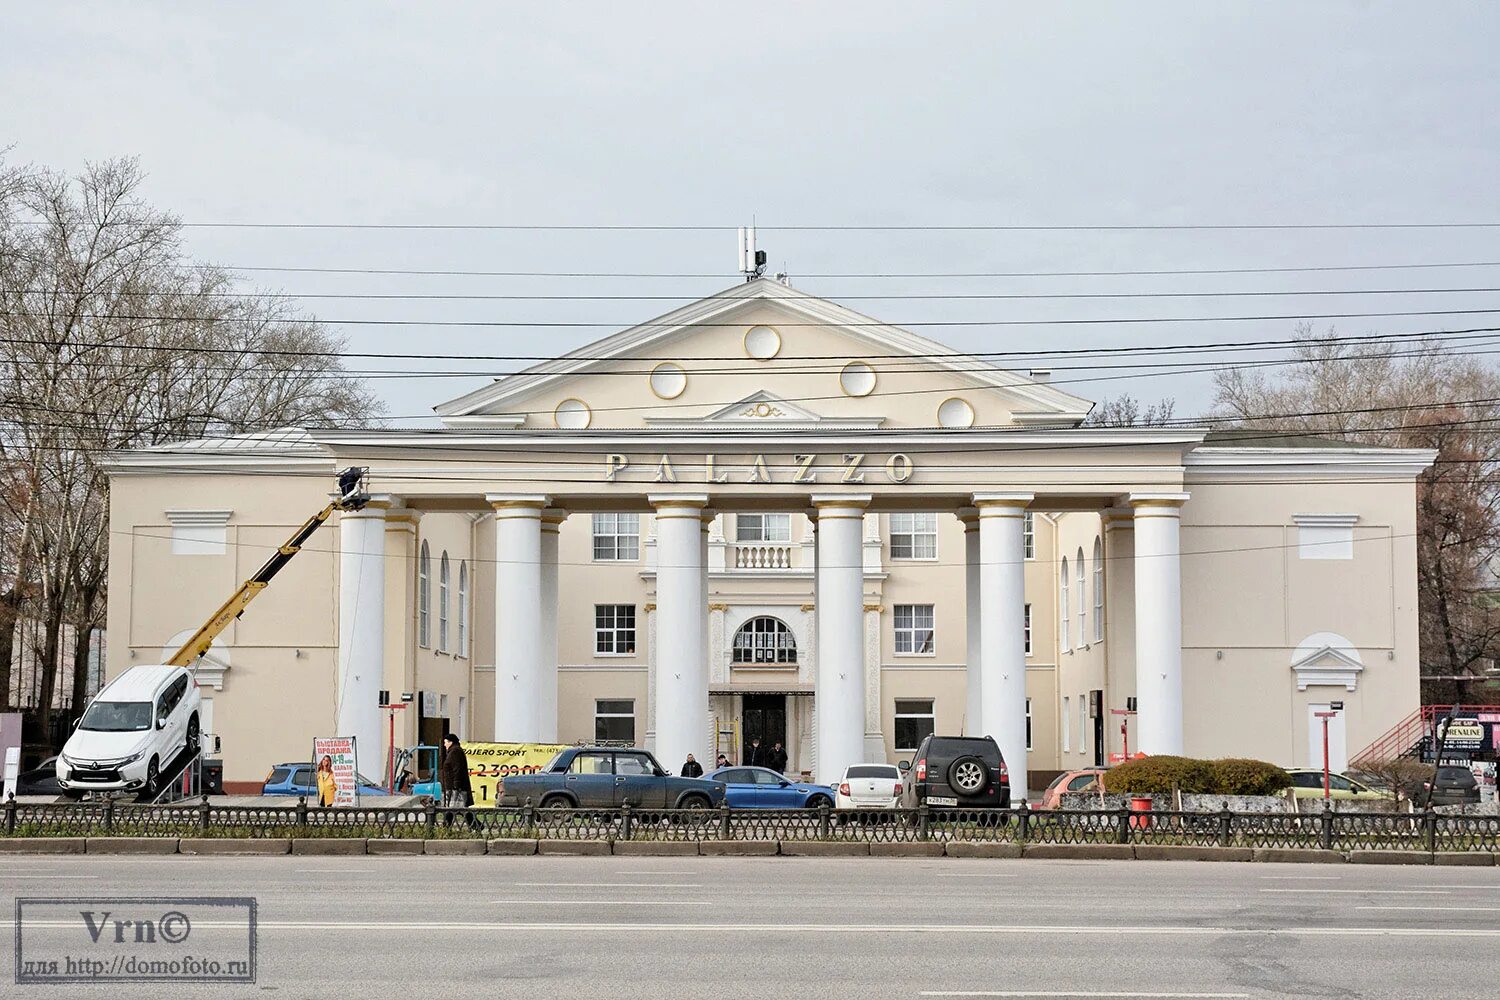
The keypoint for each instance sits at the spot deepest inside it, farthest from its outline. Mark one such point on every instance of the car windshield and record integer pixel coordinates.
(117, 717)
(872, 771)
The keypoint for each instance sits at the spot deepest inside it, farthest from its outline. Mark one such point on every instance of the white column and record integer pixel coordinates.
(681, 660)
(520, 650)
(362, 631)
(1158, 621)
(973, 705)
(1002, 624)
(840, 610)
(552, 519)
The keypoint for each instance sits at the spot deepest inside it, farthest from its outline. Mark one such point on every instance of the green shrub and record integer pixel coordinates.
(1159, 774)
(1243, 776)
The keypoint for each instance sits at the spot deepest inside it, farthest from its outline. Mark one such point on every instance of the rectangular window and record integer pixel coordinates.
(914, 722)
(1027, 625)
(913, 536)
(1067, 728)
(614, 629)
(617, 537)
(1030, 536)
(1028, 724)
(763, 527)
(1083, 724)
(914, 628)
(614, 720)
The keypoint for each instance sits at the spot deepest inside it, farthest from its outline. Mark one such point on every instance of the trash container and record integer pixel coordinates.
(1140, 806)
(213, 777)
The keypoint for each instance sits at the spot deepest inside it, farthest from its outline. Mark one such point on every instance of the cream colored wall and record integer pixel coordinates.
(1082, 667)
(436, 670)
(1247, 595)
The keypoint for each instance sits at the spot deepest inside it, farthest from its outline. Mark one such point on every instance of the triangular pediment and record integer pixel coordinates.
(684, 367)
(1327, 666)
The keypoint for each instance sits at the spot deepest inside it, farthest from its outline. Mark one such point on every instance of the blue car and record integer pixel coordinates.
(301, 779)
(763, 788)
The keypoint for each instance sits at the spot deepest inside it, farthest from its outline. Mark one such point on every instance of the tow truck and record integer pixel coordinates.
(183, 776)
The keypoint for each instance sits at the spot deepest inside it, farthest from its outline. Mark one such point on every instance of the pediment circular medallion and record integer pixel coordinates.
(762, 343)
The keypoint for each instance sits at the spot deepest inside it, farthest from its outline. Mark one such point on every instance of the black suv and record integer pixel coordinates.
(956, 772)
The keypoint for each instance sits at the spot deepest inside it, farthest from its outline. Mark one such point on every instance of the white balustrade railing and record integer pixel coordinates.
(752, 556)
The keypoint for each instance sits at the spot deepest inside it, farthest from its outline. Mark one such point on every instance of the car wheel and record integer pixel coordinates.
(556, 803)
(968, 775)
(192, 734)
(694, 802)
(817, 802)
(153, 775)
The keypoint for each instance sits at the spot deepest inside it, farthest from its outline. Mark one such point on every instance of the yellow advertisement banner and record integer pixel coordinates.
(490, 763)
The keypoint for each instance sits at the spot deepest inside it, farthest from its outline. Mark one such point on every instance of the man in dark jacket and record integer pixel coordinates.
(776, 759)
(453, 775)
(754, 755)
(691, 768)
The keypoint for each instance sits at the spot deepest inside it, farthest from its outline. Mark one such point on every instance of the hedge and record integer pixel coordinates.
(1230, 776)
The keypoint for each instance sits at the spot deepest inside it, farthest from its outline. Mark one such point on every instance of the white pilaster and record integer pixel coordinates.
(973, 705)
(1002, 623)
(840, 610)
(520, 649)
(1158, 620)
(362, 630)
(552, 519)
(681, 681)
(874, 735)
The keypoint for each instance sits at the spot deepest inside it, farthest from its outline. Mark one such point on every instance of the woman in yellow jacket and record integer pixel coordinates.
(327, 787)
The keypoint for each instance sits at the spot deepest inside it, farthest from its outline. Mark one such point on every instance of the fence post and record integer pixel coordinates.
(203, 813)
(924, 820)
(10, 816)
(528, 818)
(430, 820)
(109, 814)
(825, 820)
(626, 822)
(1327, 838)
(1226, 827)
(1023, 821)
(724, 831)
(1429, 827)
(1122, 829)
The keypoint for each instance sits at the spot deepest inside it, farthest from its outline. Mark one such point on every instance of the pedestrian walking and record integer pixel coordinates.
(453, 775)
(754, 755)
(723, 761)
(776, 759)
(691, 768)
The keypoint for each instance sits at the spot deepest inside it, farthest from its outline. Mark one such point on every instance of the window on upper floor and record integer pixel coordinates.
(1027, 626)
(914, 536)
(1030, 535)
(463, 609)
(1082, 598)
(614, 720)
(443, 603)
(914, 628)
(763, 527)
(1062, 606)
(424, 597)
(915, 721)
(614, 629)
(617, 537)
(764, 640)
(1098, 590)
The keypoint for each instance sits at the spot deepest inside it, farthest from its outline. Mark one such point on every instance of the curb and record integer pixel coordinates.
(131, 845)
(395, 846)
(906, 850)
(969, 849)
(233, 845)
(450, 848)
(737, 848)
(589, 847)
(514, 847)
(1296, 855)
(656, 848)
(1169, 852)
(323, 846)
(42, 845)
(1390, 858)
(1090, 852)
(825, 849)
(1477, 859)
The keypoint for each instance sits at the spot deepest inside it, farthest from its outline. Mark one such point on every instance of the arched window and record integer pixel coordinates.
(765, 640)
(1098, 590)
(424, 598)
(1083, 599)
(443, 603)
(1062, 605)
(463, 609)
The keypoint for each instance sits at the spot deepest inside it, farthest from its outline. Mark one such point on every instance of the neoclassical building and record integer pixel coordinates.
(764, 514)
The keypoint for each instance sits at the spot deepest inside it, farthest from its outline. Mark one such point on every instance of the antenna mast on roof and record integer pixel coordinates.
(752, 261)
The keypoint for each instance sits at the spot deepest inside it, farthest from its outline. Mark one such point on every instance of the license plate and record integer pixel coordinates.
(941, 800)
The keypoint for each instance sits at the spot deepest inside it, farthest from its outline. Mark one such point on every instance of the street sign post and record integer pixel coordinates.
(1325, 716)
(1125, 714)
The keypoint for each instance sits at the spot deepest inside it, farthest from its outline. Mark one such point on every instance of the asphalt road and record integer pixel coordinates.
(725, 928)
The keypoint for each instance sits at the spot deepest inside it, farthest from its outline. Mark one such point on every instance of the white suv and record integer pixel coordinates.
(133, 729)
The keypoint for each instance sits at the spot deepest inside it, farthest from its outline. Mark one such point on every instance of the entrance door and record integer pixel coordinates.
(1338, 749)
(763, 717)
(1096, 709)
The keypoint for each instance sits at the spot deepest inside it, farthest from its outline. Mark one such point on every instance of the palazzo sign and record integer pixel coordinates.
(806, 468)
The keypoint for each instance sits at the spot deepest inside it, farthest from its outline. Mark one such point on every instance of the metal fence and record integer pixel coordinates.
(1339, 831)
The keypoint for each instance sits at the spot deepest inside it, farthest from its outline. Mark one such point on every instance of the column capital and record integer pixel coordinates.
(968, 517)
(552, 518)
(825, 503)
(534, 501)
(378, 505)
(682, 501)
(1019, 501)
(1171, 501)
(1117, 518)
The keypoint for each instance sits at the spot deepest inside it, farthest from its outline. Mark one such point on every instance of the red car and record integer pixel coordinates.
(1086, 779)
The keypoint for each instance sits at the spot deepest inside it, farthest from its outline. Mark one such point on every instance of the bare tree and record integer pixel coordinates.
(1125, 411)
(1422, 395)
(113, 339)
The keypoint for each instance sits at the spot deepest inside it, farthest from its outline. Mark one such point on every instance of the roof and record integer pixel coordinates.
(1250, 437)
(278, 440)
(140, 683)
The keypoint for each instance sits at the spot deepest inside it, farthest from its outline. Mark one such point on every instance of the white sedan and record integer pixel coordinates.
(868, 786)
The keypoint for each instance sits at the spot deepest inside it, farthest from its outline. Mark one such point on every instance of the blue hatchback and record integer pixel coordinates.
(763, 788)
(301, 779)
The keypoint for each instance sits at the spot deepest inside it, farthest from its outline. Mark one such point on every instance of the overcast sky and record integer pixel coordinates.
(706, 114)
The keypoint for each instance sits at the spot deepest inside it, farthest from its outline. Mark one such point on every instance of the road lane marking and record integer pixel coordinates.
(1430, 909)
(676, 873)
(1300, 878)
(49, 876)
(1065, 993)
(335, 871)
(610, 885)
(610, 902)
(1372, 892)
(974, 875)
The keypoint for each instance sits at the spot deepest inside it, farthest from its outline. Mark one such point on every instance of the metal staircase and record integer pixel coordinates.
(1414, 734)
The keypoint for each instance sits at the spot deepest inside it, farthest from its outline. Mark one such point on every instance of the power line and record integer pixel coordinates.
(839, 228)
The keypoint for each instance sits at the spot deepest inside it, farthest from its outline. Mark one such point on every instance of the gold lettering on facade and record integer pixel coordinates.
(805, 473)
(708, 463)
(851, 469)
(898, 468)
(664, 471)
(758, 472)
(612, 466)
